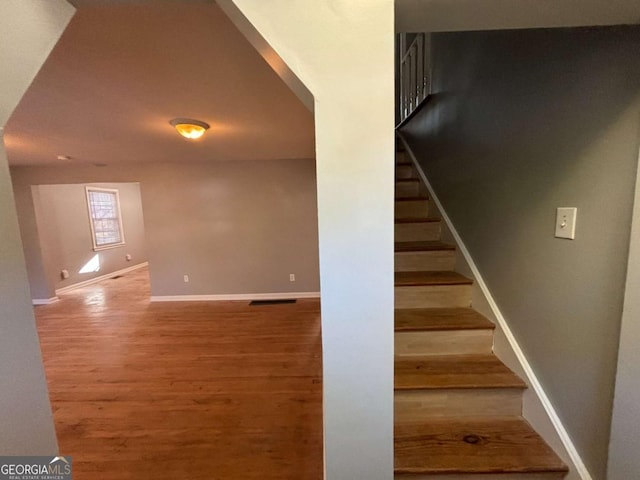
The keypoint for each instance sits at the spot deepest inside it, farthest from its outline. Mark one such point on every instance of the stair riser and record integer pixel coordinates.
(425, 261)
(407, 189)
(421, 405)
(412, 209)
(493, 476)
(402, 157)
(433, 296)
(409, 232)
(454, 342)
(405, 171)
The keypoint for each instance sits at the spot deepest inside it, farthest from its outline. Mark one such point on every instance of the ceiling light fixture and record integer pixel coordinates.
(189, 128)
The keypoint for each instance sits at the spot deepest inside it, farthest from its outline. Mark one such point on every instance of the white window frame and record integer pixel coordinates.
(97, 247)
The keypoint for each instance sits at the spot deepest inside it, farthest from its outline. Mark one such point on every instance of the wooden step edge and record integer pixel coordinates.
(480, 476)
(407, 180)
(417, 220)
(442, 319)
(441, 328)
(427, 246)
(515, 385)
(412, 199)
(480, 471)
(435, 278)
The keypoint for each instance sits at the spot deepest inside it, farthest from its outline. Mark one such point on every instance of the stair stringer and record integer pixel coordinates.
(537, 408)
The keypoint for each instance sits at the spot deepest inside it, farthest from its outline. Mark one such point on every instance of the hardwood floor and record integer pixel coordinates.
(214, 391)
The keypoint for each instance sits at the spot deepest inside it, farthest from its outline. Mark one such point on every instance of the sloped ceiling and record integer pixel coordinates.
(122, 71)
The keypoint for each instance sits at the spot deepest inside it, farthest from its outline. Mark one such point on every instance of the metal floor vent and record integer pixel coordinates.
(272, 302)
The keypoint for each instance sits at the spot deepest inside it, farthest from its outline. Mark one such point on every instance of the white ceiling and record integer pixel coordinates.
(463, 15)
(121, 72)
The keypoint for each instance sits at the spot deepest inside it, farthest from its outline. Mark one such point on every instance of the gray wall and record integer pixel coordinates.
(521, 123)
(65, 231)
(232, 227)
(28, 32)
(40, 280)
(25, 415)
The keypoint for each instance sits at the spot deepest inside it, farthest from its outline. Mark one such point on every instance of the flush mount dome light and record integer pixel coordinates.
(189, 128)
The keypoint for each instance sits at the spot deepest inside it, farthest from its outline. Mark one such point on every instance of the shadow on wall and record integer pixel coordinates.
(524, 122)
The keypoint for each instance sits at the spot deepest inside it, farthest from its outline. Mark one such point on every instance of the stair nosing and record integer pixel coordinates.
(411, 199)
(460, 387)
(435, 247)
(460, 280)
(459, 471)
(442, 329)
(406, 221)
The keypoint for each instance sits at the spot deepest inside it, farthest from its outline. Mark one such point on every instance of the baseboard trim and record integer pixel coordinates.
(44, 301)
(234, 297)
(106, 276)
(532, 379)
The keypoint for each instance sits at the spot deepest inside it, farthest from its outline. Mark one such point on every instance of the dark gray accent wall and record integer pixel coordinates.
(523, 122)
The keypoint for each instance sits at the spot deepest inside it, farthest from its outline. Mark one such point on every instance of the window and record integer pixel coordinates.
(105, 218)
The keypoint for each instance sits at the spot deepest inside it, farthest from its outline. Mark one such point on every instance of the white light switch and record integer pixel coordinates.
(566, 222)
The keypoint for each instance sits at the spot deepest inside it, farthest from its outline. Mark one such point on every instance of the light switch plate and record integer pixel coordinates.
(566, 222)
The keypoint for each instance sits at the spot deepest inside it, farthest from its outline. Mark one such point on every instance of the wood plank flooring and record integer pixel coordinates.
(197, 390)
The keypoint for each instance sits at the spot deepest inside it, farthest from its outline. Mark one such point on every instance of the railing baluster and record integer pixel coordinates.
(415, 74)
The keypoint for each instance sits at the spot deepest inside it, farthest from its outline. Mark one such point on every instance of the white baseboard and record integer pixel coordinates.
(44, 301)
(577, 465)
(234, 297)
(101, 278)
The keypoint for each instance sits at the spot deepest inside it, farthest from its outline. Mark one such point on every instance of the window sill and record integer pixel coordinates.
(108, 247)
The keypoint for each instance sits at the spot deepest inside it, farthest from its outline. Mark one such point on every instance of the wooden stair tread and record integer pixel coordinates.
(454, 371)
(503, 445)
(429, 319)
(412, 279)
(417, 220)
(422, 246)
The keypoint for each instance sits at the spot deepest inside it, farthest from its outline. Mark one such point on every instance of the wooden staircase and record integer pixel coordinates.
(458, 408)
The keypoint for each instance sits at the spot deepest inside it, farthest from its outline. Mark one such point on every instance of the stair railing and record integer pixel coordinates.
(414, 73)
